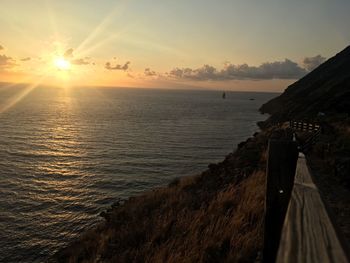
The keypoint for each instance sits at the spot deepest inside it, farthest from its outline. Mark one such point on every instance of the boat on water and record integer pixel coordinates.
(224, 95)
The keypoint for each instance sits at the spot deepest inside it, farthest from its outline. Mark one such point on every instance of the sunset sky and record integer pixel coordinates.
(261, 45)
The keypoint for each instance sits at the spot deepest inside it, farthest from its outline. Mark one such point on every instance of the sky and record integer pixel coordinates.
(252, 45)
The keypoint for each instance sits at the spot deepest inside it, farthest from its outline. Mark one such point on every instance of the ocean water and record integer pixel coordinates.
(67, 153)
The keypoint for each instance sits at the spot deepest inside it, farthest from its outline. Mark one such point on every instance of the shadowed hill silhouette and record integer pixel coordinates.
(326, 89)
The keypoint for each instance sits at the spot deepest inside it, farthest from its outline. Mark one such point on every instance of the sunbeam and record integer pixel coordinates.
(102, 26)
(99, 44)
(154, 45)
(52, 19)
(22, 94)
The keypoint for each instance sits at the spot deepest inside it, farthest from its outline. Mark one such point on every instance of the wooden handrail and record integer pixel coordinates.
(298, 227)
(308, 234)
(281, 163)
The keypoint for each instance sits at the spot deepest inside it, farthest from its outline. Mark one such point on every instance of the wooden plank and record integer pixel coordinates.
(281, 163)
(308, 234)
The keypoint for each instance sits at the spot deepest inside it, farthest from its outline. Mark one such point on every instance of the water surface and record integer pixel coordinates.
(66, 154)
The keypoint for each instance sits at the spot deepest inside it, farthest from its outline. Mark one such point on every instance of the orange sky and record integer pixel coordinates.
(235, 45)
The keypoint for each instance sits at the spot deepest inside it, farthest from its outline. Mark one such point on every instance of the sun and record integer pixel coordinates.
(62, 64)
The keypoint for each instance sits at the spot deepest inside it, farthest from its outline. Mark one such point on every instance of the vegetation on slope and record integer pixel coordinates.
(216, 216)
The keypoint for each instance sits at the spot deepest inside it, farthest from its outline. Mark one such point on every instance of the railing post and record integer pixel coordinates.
(281, 164)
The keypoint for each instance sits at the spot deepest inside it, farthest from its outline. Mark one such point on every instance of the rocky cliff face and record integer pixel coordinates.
(326, 89)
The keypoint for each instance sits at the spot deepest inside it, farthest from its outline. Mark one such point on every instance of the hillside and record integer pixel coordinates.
(323, 96)
(326, 89)
(216, 216)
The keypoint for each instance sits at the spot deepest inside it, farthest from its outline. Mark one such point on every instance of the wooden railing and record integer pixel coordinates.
(308, 233)
(281, 162)
(312, 130)
(304, 126)
(297, 225)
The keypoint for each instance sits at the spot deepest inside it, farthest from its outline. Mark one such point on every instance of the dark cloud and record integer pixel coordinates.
(68, 54)
(310, 63)
(6, 62)
(124, 67)
(286, 69)
(204, 73)
(1, 47)
(26, 59)
(80, 61)
(150, 73)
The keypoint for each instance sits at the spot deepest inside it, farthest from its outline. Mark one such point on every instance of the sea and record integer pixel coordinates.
(66, 154)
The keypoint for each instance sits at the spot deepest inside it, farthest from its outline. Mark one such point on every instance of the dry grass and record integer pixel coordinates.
(216, 216)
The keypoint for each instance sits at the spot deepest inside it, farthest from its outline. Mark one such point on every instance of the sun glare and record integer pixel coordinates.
(62, 64)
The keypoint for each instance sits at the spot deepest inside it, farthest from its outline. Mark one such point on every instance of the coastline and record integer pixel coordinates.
(217, 216)
(218, 213)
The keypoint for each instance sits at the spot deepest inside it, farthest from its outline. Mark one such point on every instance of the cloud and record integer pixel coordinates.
(206, 72)
(286, 69)
(124, 67)
(1, 47)
(68, 54)
(310, 63)
(150, 73)
(80, 61)
(6, 62)
(26, 59)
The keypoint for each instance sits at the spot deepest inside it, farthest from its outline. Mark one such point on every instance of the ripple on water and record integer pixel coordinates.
(68, 154)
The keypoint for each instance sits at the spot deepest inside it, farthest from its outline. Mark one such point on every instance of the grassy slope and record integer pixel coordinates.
(216, 216)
